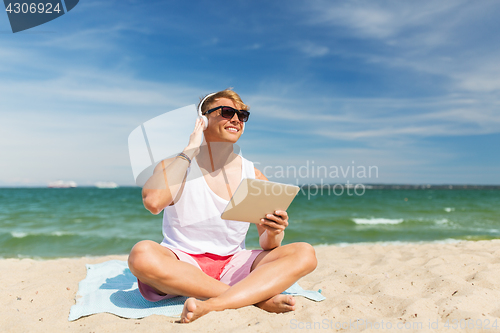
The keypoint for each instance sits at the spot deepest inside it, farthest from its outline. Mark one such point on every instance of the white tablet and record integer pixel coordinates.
(254, 198)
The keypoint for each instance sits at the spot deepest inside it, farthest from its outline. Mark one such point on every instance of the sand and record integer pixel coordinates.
(369, 288)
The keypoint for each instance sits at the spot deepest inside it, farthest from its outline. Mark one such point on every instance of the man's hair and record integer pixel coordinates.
(227, 93)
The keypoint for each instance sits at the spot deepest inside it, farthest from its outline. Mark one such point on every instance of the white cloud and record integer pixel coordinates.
(74, 126)
(455, 40)
(381, 19)
(89, 39)
(386, 165)
(484, 77)
(367, 119)
(312, 50)
(211, 42)
(255, 46)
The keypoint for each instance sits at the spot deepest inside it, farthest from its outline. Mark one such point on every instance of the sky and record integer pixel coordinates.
(409, 90)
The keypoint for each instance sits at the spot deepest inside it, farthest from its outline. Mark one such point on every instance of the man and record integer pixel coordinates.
(203, 256)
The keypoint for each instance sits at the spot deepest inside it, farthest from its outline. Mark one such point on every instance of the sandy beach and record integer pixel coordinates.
(426, 287)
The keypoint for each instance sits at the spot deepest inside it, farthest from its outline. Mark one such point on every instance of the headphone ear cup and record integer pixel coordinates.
(205, 122)
(200, 115)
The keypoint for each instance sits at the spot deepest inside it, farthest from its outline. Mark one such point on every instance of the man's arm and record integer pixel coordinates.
(162, 187)
(168, 176)
(272, 229)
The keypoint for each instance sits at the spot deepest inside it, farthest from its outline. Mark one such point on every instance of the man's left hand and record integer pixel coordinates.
(275, 223)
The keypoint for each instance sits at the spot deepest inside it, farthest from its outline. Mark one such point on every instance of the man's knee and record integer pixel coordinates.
(306, 257)
(140, 256)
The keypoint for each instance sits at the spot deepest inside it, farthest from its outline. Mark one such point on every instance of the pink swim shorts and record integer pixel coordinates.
(235, 270)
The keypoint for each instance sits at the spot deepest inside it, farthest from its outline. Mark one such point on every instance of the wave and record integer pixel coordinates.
(17, 234)
(61, 233)
(20, 234)
(81, 234)
(442, 221)
(373, 221)
(449, 209)
(387, 243)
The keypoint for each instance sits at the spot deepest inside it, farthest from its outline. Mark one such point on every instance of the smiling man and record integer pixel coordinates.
(203, 256)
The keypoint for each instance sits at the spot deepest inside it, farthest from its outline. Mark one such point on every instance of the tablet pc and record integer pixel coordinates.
(254, 198)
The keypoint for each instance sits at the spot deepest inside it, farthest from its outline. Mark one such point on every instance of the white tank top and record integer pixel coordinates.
(194, 225)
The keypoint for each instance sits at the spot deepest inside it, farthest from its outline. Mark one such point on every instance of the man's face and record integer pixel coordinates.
(221, 129)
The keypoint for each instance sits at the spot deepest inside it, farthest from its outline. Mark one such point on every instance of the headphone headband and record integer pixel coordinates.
(203, 101)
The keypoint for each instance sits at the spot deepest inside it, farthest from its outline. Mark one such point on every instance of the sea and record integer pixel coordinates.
(44, 223)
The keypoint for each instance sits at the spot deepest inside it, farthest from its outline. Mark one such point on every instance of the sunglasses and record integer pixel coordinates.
(228, 113)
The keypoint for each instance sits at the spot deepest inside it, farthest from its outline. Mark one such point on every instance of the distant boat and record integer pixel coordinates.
(62, 184)
(106, 185)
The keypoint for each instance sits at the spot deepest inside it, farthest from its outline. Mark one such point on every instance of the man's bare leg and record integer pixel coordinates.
(158, 267)
(275, 271)
(153, 264)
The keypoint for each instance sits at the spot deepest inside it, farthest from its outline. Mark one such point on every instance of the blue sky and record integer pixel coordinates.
(412, 88)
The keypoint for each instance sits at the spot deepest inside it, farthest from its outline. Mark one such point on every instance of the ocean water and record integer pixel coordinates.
(52, 223)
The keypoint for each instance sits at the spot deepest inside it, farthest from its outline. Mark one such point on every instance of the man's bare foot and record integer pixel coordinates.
(193, 309)
(278, 304)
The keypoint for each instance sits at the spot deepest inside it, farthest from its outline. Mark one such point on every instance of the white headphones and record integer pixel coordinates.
(200, 115)
(205, 119)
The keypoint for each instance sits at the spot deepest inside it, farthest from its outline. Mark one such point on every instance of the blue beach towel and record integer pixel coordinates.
(111, 287)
